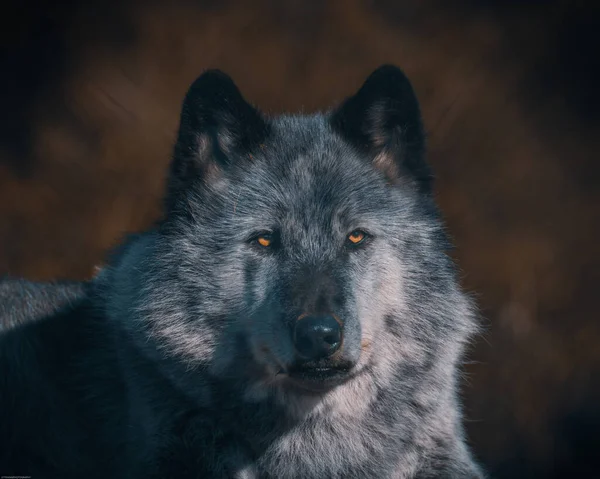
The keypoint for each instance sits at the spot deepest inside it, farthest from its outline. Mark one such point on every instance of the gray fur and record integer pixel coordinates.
(197, 319)
(23, 301)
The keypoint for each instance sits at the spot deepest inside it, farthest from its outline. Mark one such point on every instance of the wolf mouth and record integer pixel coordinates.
(317, 380)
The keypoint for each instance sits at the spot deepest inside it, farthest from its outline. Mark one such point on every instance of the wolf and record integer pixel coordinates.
(293, 314)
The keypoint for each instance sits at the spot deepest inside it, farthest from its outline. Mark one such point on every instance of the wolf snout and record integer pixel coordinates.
(317, 336)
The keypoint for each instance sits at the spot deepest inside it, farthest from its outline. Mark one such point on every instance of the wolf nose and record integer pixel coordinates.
(317, 337)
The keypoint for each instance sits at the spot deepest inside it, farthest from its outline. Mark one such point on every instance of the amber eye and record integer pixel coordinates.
(264, 240)
(357, 237)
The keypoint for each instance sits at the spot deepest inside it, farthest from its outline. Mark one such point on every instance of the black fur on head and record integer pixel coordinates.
(217, 125)
(383, 121)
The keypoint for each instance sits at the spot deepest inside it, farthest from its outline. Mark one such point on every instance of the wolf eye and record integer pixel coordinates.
(264, 240)
(357, 237)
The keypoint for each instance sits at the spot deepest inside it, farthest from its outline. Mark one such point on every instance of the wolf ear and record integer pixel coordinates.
(217, 127)
(383, 121)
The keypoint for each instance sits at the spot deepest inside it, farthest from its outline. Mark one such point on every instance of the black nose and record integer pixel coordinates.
(317, 337)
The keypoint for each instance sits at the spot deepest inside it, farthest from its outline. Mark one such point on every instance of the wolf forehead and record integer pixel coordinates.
(301, 153)
(302, 165)
(304, 147)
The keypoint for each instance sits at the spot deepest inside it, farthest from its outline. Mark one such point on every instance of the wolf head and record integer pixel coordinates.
(300, 253)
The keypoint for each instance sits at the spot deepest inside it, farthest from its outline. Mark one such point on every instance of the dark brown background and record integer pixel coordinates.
(90, 96)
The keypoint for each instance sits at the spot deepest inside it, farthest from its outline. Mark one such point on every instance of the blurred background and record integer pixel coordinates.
(90, 94)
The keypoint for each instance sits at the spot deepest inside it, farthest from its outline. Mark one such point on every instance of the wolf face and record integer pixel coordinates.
(300, 253)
